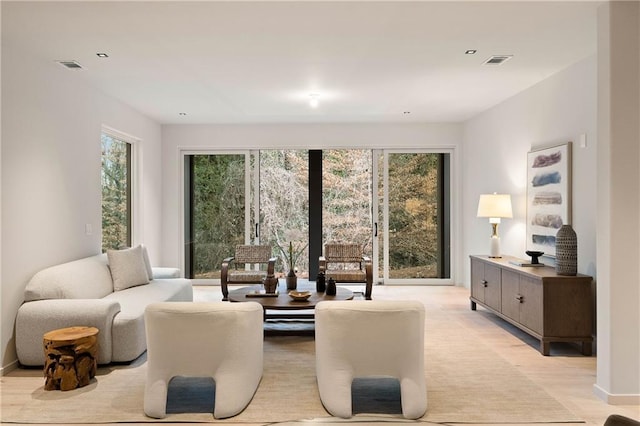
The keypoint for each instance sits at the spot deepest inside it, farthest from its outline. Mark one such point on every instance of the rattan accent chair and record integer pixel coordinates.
(234, 270)
(347, 263)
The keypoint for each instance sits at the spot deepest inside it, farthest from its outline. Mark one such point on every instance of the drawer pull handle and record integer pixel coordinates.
(484, 283)
(519, 298)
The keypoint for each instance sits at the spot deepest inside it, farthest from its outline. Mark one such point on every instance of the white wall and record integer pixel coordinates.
(618, 366)
(51, 124)
(1, 297)
(307, 136)
(496, 143)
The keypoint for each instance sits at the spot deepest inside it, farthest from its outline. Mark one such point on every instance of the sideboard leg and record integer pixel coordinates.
(473, 305)
(545, 347)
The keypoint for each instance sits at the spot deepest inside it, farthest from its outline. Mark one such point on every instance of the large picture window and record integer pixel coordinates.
(395, 204)
(116, 192)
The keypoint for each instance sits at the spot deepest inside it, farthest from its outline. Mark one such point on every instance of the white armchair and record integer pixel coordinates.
(362, 338)
(204, 339)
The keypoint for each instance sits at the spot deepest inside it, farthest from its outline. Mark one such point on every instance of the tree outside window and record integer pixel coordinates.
(116, 193)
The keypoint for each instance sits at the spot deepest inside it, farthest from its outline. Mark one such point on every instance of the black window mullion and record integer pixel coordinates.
(315, 211)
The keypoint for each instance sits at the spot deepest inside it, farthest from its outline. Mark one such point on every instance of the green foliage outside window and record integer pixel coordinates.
(218, 216)
(116, 193)
(218, 211)
(413, 215)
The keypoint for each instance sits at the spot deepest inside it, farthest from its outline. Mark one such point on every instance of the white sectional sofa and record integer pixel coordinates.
(88, 292)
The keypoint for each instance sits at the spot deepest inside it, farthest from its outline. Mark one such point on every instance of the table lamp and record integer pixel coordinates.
(495, 206)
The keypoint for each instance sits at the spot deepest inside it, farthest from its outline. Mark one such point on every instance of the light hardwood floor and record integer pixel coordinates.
(566, 374)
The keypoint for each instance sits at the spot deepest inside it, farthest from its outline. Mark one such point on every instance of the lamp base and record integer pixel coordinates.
(495, 247)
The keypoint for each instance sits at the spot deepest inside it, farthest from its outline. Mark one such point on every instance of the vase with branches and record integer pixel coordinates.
(291, 255)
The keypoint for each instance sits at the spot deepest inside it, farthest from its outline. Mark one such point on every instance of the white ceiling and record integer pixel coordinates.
(257, 62)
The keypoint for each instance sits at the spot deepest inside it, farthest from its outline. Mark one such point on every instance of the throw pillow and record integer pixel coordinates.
(147, 262)
(127, 268)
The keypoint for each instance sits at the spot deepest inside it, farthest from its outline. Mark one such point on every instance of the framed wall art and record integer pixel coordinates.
(548, 196)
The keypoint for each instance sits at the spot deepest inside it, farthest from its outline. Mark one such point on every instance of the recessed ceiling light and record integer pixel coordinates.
(470, 52)
(313, 100)
(102, 55)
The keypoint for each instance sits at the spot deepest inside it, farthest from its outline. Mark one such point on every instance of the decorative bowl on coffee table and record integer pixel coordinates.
(299, 296)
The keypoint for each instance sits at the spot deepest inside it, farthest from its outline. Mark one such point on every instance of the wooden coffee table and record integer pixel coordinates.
(288, 308)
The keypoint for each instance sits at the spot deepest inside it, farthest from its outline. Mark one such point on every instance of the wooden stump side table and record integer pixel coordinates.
(70, 357)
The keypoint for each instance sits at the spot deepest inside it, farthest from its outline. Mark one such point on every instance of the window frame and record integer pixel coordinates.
(134, 196)
(453, 203)
(184, 154)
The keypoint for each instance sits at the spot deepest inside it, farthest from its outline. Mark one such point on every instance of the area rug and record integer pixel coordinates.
(467, 382)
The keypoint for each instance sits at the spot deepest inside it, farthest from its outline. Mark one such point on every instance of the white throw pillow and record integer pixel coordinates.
(127, 268)
(147, 262)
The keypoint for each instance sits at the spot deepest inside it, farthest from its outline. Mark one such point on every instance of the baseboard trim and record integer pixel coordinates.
(8, 368)
(616, 399)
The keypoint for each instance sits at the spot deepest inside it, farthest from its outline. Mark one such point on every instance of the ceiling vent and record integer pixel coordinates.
(72, 65)
(497, 59)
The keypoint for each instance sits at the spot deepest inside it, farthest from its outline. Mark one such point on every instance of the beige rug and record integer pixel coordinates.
(467, 382)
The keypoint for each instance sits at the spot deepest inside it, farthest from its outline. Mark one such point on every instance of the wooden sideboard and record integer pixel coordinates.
(550, 307)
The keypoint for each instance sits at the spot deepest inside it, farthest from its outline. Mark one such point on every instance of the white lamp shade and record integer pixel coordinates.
(495, 205)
